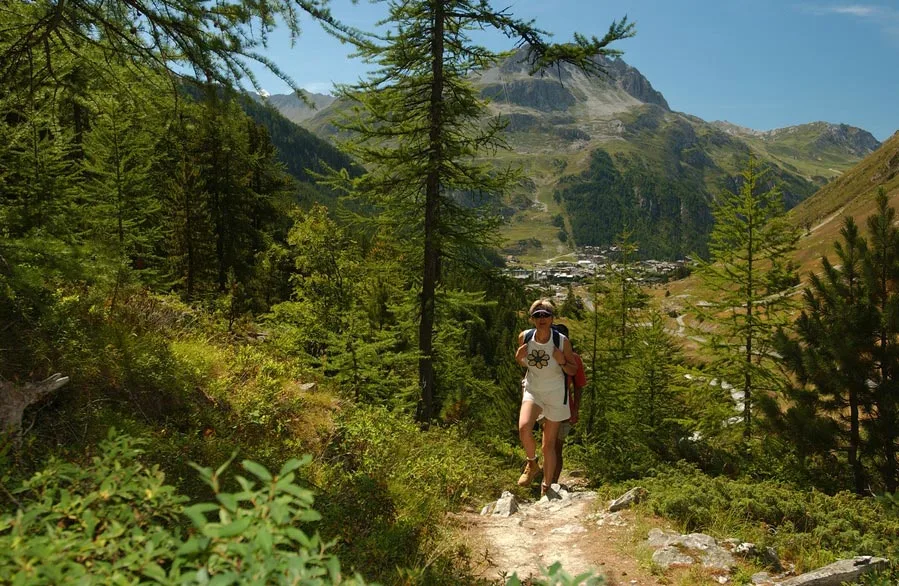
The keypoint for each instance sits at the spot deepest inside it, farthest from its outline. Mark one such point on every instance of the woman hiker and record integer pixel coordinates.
(545, 353)
(575, 384)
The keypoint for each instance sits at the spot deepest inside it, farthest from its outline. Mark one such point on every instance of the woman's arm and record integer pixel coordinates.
(522, 351)
(569, 364)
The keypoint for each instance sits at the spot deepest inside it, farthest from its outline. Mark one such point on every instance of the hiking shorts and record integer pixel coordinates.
(551, 403)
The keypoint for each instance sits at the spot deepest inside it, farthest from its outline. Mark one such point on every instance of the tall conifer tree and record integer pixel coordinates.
(420, 126)
(835, 345)
(882, 276)
(749, 243)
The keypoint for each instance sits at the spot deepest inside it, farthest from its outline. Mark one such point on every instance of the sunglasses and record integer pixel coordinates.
(539, 314)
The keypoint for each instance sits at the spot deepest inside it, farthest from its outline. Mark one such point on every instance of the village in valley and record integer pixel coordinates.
(593, 262)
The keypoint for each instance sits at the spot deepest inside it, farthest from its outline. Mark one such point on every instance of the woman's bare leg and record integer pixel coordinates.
(550, 434)
(526, 419)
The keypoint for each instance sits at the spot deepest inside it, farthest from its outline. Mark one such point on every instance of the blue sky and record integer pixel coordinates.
(762, 64)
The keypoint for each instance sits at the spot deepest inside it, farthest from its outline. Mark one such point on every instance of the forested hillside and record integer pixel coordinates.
(231, 353)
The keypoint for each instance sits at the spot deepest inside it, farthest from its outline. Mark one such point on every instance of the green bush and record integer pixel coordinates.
(115, 521)
(805, 525)
(390, 485)
(555, 575)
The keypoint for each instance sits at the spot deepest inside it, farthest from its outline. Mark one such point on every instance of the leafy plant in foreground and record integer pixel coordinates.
(115, 521)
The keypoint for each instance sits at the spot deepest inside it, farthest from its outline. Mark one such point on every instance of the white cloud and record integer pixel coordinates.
(886, 17)
(264, 93)
(856, 10)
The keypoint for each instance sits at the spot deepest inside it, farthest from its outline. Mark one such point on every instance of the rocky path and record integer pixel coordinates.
(568, 530)
(579, 531)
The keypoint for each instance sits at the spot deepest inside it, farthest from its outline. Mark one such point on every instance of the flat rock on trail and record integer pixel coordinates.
(569, 531)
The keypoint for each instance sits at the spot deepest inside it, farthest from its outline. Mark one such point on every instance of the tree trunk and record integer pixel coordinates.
(858, 473)
(431, 273)
(14, 399)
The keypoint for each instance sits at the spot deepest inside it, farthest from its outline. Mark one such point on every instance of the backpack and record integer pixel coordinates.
(557, 342)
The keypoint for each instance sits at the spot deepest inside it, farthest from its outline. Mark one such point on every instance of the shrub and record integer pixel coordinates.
(555, 575)
(390, 485)
(802, 524)
(115, 521)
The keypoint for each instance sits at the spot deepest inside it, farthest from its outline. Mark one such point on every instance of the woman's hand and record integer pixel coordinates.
(559, 356)
(521, 355)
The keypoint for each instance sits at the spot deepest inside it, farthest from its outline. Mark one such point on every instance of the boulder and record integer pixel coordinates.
(505, 506)
(631, 497)
(699, 541)
(717, 558)
(834, 574)
(670, 556)
(695, 547)
(662, 537)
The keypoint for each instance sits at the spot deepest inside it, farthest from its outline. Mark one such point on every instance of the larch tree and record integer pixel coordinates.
(749, 246)
(218, 41)
(419, 126)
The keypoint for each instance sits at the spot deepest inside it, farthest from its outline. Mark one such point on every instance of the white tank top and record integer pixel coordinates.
(544, 373)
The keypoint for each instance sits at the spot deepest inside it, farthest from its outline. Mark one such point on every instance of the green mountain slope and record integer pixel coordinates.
(852, 194)
(300, 150)
(608, 154)
(819, 150)
(567, 131)
(294, 109)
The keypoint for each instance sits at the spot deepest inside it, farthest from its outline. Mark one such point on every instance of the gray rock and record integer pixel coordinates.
(762, 579)
(555, 492)
(505, 506)
(631, 497)
(662, 537)
(699, 541)
(669, 556)
(770, 558)
(718, 558)
(838, 572)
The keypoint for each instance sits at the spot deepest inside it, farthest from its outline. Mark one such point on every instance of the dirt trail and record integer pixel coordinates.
(570, 531)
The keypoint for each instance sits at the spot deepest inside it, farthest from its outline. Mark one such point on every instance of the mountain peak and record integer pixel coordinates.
(295, 109)
(558, 88)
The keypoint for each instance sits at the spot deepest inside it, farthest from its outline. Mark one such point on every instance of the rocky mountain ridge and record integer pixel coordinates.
(602, 152)
(296, 110)
(855, 140)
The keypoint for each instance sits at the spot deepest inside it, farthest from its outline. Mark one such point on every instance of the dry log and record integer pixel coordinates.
(14, 399)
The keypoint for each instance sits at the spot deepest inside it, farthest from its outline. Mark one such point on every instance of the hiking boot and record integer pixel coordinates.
(530, 471)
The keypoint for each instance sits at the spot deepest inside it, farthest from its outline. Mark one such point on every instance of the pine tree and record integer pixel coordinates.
(881, 269)
(749, 242)
(835, 342)
(126, 210)
(419, 128)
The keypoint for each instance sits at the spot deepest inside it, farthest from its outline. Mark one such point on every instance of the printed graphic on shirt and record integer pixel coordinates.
(538, 358)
